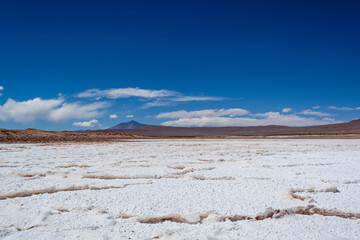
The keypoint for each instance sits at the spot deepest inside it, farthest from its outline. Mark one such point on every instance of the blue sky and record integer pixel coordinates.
(72, 64)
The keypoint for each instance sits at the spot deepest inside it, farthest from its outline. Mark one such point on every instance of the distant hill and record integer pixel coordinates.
(137, 130)
(38, 136)
(352, 127)
(127, 125)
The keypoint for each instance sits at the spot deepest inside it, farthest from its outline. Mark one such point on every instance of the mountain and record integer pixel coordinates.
(352, 127)
(127, 125)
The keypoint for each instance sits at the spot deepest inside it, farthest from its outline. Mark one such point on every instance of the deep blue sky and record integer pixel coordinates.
(261, 56)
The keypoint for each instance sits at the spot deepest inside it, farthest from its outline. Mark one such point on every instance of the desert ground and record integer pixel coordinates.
(181, 189)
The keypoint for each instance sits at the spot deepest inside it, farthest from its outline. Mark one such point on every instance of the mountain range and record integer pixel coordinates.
(137, 130)
(133, 127)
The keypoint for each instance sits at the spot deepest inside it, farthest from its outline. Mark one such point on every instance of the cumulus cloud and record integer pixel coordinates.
(286, 110)
(49, 109)
(129, 116)
(77, 111)
(113, 116)
(314, 113)
(1, 88)
(344, 108)
(204, 113)
(316, 107)
(90, 124)
(29, 110)
(272, 119)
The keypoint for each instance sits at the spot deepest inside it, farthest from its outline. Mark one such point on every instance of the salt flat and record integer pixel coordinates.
(181, 189)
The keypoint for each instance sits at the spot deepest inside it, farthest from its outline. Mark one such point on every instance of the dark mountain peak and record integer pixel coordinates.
(127, 125)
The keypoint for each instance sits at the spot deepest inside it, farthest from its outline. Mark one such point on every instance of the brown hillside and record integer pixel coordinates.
(352, 127)
(39, 136)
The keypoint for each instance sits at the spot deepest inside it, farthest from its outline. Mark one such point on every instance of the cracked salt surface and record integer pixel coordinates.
(181, 189)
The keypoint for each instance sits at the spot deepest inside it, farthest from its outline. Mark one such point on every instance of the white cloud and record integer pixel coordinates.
(29, 110)
(286, 110)
(314, 113)
(329, 119)
(169, 101)
(129, 116)
(113, 116)
(155, 98)
(343, 108)
(90, 124)
(267, 114)
(316, 107)
(195, 98)
(115, 93)
(157, 103)
(1, 88)
(204, 113)
(77, 111)
(279, 119)
(49, 109)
